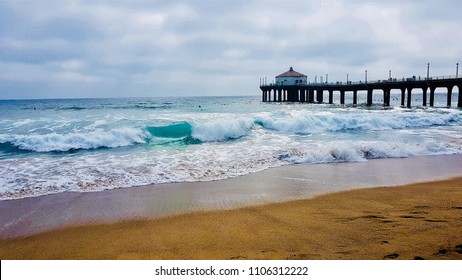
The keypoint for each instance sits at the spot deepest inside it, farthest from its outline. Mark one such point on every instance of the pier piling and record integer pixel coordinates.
(369, 96)
(311, 95)
(449, 95)
(403, 96)
(386, 97)
(409, 97)
(424, 96)
(319, 95)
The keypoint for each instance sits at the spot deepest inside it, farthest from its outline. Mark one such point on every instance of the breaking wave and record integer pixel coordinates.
(54, 142)
(302, 123)
(189, 133)
(226, 129)
(221, 130)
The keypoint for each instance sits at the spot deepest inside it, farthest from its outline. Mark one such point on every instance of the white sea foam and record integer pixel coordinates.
(349, 151)
(221, 130)
(204, 162)
(79, 140)
(303, 122)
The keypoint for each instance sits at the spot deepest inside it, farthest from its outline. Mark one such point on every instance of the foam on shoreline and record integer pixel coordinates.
(33, 215)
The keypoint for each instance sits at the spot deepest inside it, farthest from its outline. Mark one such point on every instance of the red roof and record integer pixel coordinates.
(291, 73)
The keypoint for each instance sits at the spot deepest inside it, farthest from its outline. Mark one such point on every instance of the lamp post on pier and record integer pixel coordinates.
(347, 79)
(428, 71)
(457, 70)
(365, 76)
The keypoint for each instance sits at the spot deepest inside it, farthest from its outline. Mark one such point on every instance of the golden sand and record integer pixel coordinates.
(408, 222)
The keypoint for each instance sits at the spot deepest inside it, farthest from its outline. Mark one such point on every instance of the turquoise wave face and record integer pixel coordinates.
(173, 134)
(8, 149)
(177, 130)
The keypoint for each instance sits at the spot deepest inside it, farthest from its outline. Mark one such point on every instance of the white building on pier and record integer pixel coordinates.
(290, 78)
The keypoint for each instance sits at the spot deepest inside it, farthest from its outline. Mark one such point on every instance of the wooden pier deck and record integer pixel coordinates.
(314, 92)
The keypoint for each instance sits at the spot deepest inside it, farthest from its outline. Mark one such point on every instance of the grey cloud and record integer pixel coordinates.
(75, 30)
(149, 48)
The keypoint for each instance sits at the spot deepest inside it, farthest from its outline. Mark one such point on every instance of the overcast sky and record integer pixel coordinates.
(51, 49)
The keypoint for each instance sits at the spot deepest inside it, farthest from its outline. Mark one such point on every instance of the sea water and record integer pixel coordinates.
(81, 145)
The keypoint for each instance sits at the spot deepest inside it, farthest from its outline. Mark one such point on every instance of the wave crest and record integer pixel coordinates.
(54, 142)
(221, 130)
(176, 130)
(300, 123)
(209, 131)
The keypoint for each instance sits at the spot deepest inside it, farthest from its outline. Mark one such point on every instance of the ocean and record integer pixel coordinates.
(86, 145)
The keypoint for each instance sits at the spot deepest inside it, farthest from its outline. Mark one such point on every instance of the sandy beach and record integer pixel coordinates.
(299, 212)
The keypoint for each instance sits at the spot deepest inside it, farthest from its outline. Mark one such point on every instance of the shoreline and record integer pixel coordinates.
(415, 221)
(34, 215)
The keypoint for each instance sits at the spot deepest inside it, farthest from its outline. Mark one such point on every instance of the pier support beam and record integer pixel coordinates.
(432, 96)
(409, 97)
(292, 94)
(279, 95)
(331, 96)
(369, 97)
(319, 95)
(424, 96)
(386, 97)
(311, 96)
(403, 96)
(302, 95)
(342, 97)
(274, 95)
(355, 97)
(449, 96)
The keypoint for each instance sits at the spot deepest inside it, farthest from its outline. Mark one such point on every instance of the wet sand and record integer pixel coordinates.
(167, 215)
(419, 221)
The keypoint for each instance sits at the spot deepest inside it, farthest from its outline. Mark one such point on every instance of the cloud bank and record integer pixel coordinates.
(54, 49)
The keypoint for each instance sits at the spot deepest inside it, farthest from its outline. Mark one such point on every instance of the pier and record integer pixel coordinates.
(314, 92)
